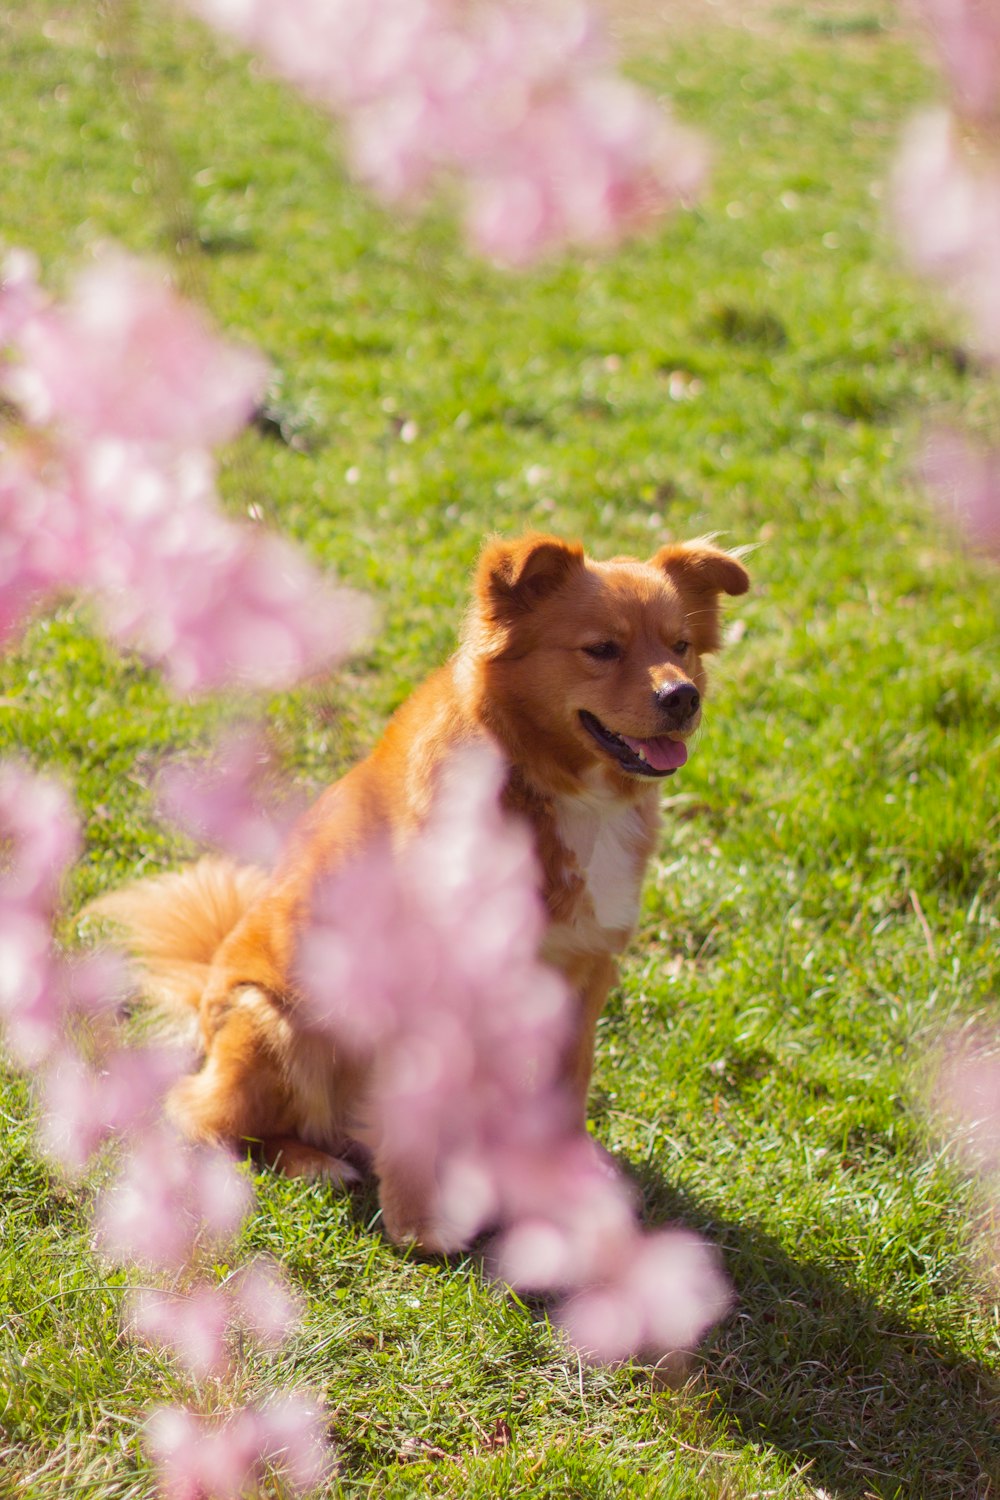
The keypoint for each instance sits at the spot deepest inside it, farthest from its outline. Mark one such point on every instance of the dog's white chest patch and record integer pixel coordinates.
(606, 838)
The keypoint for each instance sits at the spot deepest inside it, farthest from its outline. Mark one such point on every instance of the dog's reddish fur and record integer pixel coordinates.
(549, 634)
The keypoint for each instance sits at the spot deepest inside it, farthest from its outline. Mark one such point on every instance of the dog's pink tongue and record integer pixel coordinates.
(662, 753)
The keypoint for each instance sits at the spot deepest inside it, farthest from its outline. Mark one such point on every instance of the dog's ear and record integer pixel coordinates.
(513, 577)
(701, 567)
(701, 572)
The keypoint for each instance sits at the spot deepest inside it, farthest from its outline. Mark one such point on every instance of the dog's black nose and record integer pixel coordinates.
(678, 702)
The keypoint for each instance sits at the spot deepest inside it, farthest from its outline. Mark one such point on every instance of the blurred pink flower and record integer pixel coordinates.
(167, 1197)
(192, 1325)
(83, 1105)
(40, 541)
(948, 210)
(32, 1002)
(96, 984)
(424, 963)
(198, 1457)
(38, 841)
(125, 358)
(664, 1292)
(965, 483)
(263, 1301)
(292, 1433)
(966, 36)
(234, 801)
(112, 489)
(20, 297)
(520, 103)
(38, 824)
(967, 1097)
(573, 1233)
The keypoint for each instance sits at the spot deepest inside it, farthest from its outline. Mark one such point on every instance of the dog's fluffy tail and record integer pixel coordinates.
(172, 926)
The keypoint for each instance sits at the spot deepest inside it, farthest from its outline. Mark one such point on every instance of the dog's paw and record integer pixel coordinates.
(292, 1158)
(408, 1216)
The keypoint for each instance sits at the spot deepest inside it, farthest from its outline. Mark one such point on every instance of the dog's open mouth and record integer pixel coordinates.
(660, 756)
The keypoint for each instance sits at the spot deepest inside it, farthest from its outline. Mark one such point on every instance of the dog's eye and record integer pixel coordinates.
(604, 650)
(681, 648)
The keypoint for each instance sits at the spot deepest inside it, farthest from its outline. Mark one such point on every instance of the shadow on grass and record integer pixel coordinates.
(812, 1366)
(868, 1403)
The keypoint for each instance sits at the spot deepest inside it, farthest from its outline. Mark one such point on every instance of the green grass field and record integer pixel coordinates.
(824, 903)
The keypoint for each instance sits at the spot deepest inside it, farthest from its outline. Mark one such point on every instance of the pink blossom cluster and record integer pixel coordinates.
(948, 207)
(168, 1198)
(224, 1457)
(573, 1235)
(965, 36)
(40, 992)
(168, 1201)
(168, 1205)
(966, 1107)
(107, 485)
(194, 1324)
(947, 201)
(965, 478)
(519, 104)
(85, 1103)
(969, 1099)
(235, 800)
(423, 965)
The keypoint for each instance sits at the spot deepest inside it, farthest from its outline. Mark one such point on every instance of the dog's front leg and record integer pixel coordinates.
(592, 987)
(409, 1197)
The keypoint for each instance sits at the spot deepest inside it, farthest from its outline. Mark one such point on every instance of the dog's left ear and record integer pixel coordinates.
(701, 572)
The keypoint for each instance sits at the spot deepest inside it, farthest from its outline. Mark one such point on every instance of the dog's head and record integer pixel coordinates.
(587, 666)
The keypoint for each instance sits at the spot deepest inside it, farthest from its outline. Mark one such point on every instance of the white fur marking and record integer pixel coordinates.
(606, 837)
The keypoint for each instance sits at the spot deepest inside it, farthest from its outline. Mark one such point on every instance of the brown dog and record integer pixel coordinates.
(589, 676)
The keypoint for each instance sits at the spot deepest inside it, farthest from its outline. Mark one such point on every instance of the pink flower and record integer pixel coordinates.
(570, 1214)
(965, 483)
(32, 1003)
(166, 1198)
(38, 834)
(124, 389)
(949, 218)
(212, 602)
(966, 34)
(20, 297)
(665, 1290)
(520, 105)
(234, 801)
(293, 1439)
(96, 984)
(263, 1301)
(424, 963)
(198, 1457)
(125, 358)
(40, 542)
(83, 1106)
(37, 818)
(572, 1231)
(430, 957)
(193, 1325)
(968, 1097)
